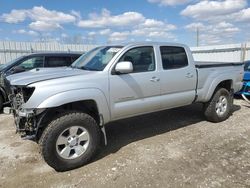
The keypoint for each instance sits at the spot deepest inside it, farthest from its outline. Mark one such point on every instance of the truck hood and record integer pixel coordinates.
(42, 74)
(246, 76)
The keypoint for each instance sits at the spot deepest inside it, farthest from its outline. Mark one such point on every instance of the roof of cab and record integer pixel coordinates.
(54, 54)
(158, 44)
(147, 43)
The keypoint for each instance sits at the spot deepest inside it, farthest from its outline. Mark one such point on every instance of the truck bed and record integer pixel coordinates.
(209, 72)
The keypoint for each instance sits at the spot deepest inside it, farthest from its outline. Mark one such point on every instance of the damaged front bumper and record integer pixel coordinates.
(27, 121)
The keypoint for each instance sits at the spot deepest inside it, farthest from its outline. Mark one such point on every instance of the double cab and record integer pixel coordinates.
(65, 110)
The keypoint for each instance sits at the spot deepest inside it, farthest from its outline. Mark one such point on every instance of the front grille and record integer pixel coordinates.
(19, 100)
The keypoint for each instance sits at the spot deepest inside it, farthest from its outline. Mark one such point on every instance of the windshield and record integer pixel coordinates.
(96, 59)
(3, 66)
(247, 66)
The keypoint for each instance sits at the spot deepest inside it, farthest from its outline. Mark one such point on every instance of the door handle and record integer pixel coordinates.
(155, 79)
(189, 75)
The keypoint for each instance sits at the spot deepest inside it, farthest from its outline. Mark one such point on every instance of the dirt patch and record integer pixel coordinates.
(173, 148)
(15, 144)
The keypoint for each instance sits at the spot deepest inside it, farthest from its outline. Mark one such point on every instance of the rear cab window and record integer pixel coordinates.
(173, 57)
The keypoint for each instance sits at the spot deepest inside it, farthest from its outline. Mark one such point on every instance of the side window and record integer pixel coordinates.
(58, 61)
(142, 58)
(31, 63)
(173, 57)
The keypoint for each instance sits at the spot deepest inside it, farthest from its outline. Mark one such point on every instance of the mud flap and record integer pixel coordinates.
(103, 129)
(231, 101)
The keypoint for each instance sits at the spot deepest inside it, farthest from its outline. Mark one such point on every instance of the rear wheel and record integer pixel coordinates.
(70, 141)
(219, 107)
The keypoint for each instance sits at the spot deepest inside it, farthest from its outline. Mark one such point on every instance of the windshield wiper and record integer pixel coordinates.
(75, 67)
(89, 68)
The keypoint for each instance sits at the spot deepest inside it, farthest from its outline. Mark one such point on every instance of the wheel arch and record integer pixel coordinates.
(84, 106)
(86, 97)
(227, 84)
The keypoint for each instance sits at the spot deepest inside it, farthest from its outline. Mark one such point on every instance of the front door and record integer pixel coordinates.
(137, 92)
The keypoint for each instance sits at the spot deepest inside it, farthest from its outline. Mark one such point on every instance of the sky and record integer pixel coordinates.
(114, 21)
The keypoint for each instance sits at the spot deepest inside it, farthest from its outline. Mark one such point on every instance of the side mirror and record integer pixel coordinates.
(17, 69)
(124, 67)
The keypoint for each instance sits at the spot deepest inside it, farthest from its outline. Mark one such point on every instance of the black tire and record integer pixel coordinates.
(1, 102)
(51, 133)
(210, 107)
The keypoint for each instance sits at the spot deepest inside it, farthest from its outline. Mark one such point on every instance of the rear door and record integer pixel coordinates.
(178, 77)
(57, 61)
(137, 92)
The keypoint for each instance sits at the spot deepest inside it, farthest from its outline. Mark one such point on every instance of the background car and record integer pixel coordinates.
(246, 79)
(31, 61)
(245, 91)
(247, 71)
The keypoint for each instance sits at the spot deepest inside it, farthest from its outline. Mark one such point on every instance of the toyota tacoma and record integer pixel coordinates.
(65, 110)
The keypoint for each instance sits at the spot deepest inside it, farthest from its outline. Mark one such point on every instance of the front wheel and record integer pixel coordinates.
(70, 141)
(219, 107)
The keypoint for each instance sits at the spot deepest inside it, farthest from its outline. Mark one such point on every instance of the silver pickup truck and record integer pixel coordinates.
(65, 110)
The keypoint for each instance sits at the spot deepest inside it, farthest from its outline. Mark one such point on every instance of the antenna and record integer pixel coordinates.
(197, 36)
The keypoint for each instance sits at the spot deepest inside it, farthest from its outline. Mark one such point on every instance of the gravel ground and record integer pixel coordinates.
(172, 148)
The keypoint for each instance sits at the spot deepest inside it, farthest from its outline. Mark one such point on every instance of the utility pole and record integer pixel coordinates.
(197, 36)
